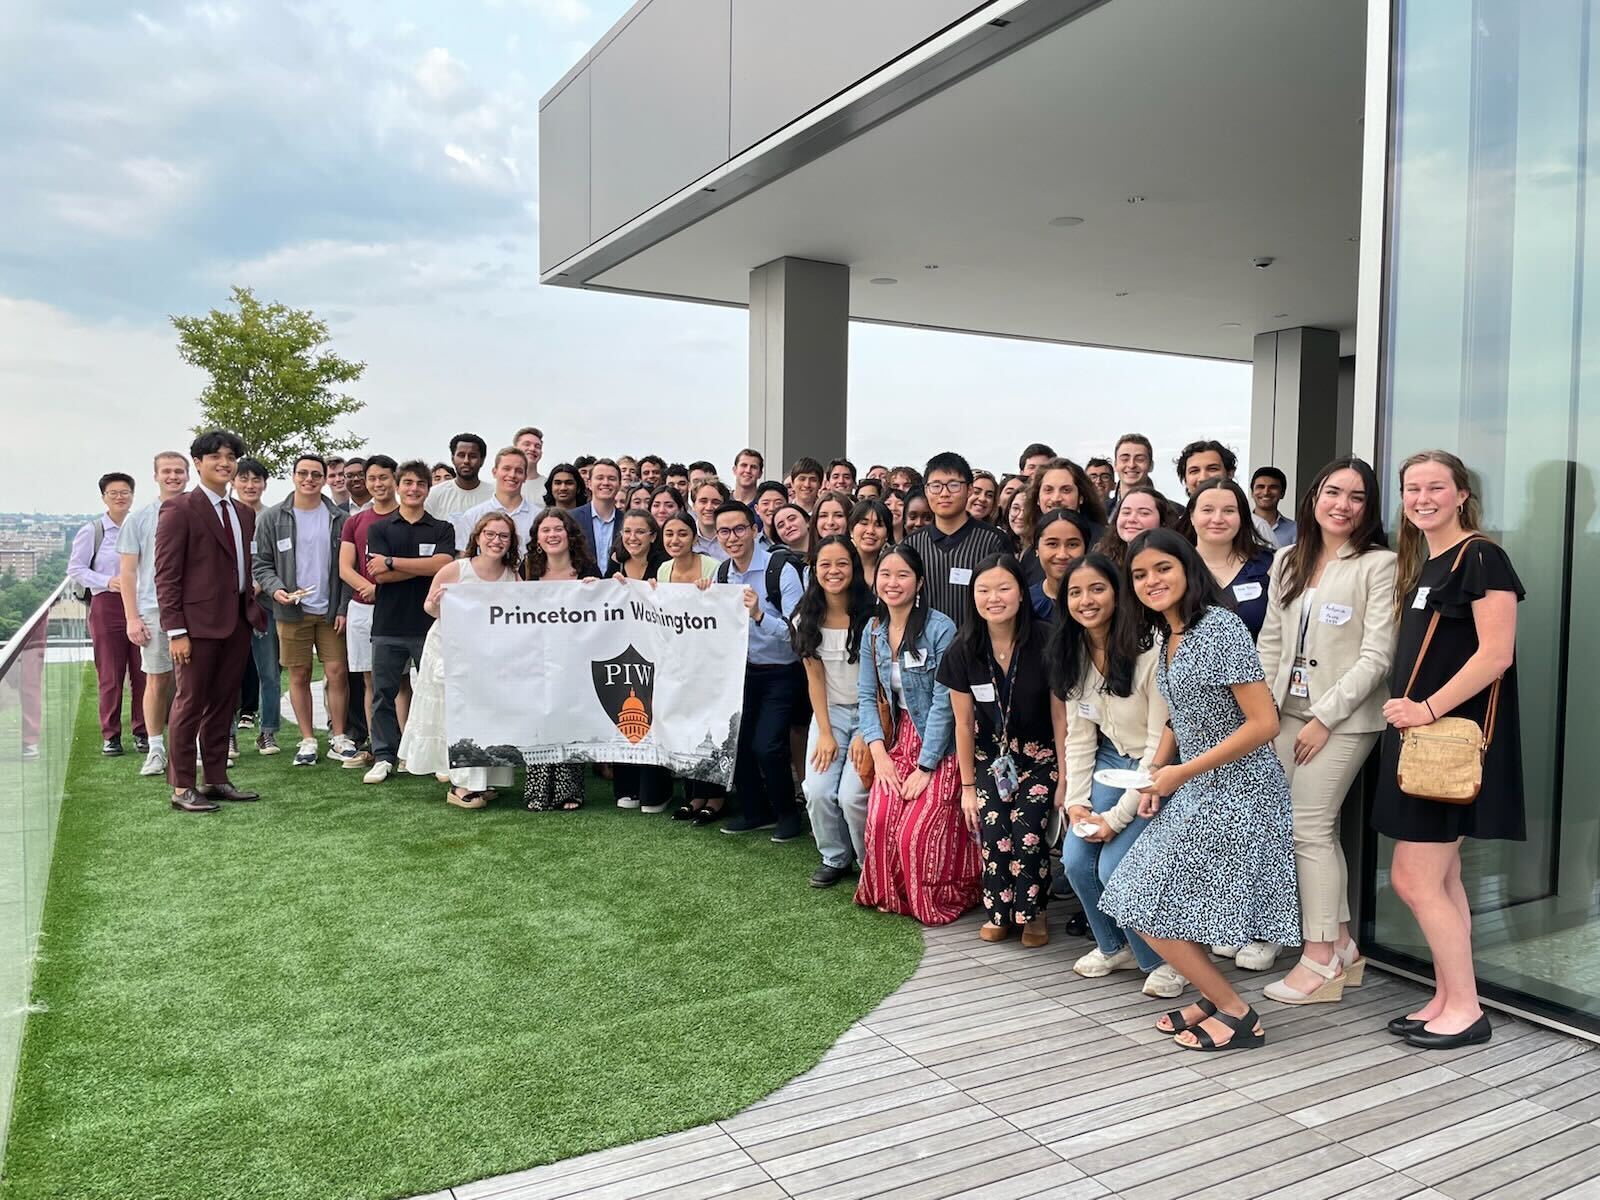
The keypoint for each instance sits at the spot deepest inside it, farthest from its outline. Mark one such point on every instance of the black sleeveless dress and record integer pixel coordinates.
(1497, 811)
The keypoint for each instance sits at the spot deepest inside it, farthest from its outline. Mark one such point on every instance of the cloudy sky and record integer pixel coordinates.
(377, 162)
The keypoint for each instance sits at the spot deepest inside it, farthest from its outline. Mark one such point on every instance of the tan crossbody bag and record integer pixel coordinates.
(1444, 761)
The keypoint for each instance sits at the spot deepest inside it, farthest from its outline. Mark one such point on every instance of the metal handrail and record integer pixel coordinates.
(14, 647)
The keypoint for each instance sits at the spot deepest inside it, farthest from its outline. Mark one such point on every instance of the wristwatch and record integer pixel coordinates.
(388, 562)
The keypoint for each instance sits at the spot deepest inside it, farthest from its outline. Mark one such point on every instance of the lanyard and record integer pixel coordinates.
(1011, 691)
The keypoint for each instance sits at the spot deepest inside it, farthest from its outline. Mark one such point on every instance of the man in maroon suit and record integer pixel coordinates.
(203, 588)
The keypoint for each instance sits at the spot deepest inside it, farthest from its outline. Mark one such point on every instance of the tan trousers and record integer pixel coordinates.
(1317, 791)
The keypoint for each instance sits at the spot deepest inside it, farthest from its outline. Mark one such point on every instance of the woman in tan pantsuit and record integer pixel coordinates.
(1326, 647)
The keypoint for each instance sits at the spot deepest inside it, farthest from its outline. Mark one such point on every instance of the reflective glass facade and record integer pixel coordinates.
(1492, 349)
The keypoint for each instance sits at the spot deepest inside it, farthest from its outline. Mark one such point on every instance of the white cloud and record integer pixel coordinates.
(139, 197)
(443, 79)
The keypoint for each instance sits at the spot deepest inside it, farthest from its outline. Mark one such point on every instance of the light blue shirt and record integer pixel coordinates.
(1280, 535)
(137, 540)
(769, 637)
(602, 536)
(313, 536)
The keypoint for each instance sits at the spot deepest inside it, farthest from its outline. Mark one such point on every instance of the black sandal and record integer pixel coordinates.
(1179, 1024)
(1245, 1035)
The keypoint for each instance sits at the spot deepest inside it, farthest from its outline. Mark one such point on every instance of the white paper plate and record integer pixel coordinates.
(1085, 828)
(1119, 777)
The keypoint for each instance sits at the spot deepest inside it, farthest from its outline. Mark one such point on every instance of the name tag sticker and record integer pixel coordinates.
(424, 549)
(984, 692)
(1336, 614)
(1422, 598)
(1246, 591)
(960, 576)
(285, 544)
(1088, 711)
(915, 658)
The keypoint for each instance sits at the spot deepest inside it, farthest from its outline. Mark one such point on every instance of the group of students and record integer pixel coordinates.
(1177, 696)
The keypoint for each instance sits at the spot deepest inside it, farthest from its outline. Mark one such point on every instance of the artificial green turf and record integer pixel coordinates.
(352, 991)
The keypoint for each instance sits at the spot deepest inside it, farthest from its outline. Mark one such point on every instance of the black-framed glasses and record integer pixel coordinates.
(731, 531)
(944, 487)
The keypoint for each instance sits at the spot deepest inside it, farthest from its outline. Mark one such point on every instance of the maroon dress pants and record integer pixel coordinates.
(115, 658)
(207, 693)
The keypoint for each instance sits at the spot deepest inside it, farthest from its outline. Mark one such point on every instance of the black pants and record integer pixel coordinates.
(650, 786)
(761, 769)
(250, 689)
(355, 719)
(390, 658)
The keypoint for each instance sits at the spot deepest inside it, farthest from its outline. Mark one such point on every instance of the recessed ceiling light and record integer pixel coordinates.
(1065, 222)
(930, 266)
(1279, 316)
(1135, 199)
(884, 280)
(1119, 294)
(1230, 325)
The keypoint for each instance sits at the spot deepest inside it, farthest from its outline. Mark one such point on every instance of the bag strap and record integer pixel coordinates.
(1433, 624)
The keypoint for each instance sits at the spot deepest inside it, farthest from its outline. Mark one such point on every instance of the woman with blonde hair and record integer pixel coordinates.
(491, 557)
(1456, 601)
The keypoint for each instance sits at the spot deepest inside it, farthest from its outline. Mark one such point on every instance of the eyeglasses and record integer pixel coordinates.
(487, 536)
(733, 531)
(315, 475)
(944, 487)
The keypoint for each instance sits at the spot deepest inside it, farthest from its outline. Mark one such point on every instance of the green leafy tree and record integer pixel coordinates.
(274, 381)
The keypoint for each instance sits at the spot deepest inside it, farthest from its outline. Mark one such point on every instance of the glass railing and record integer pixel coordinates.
(41, 676)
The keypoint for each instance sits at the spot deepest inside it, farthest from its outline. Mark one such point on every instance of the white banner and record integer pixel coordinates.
(595, 672)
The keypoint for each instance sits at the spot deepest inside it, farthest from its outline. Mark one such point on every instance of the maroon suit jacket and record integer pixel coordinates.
(197, 573)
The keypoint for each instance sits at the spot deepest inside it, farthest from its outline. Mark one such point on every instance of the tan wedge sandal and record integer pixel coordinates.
(1329, 991)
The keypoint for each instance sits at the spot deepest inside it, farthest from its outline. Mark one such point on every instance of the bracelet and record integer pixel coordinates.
(965, 786)
(1429, 707)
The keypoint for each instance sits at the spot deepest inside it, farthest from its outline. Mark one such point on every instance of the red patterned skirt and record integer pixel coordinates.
(921, 858)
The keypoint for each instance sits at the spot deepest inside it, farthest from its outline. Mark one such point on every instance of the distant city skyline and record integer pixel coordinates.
(157, 157)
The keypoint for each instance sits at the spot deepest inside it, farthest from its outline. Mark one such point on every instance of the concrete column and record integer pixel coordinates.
(799, 360)
(1299, 415)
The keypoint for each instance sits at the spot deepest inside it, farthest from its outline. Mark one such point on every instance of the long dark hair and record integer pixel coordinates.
(845, 504)
(536, 562)
(617, 562)
(1248, 542)
(1130, 634)
(1200, 588)
(805, 631)
(685, 517)
(917, 620)
(1300, 560)
(1089, 502)
(582, 495)
(973, 636)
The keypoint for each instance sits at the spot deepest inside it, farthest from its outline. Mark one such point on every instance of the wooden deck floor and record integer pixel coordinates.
(997, 1073)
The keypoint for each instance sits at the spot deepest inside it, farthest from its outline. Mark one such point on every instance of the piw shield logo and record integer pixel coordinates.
(625, 686)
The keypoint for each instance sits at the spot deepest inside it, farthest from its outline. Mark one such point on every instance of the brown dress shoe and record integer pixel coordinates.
(226, 791)
(192, 801)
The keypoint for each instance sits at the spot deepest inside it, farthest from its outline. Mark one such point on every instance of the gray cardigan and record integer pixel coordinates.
(273, 559)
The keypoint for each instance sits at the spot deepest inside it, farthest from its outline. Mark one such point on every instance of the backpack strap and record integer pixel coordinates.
(724, 569)
(774, 577)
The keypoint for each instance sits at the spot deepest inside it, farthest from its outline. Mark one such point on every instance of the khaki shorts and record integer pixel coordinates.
(156, 658)
(295, 639)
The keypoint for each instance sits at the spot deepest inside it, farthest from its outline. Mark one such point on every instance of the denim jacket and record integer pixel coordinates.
(927, 700)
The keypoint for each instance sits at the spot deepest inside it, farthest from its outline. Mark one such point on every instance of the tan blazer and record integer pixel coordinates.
(1350, 639)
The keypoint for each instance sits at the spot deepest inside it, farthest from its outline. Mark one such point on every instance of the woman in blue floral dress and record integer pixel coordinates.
(1216, 864)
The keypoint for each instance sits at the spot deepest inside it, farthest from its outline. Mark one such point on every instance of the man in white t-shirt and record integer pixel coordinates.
(531, 442)
(467, 490)
(136, 549)
(510, 469)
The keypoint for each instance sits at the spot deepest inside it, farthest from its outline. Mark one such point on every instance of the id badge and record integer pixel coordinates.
(1004, 771)
(1300, 680)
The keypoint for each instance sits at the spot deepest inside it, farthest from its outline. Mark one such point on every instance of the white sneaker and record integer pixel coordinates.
(1164, 982)
(1097, 963)
(342, 749)
(155, 763)
(379, 772)
(627, 802)
(305, 754)
(1224, 951)
(1258, 956)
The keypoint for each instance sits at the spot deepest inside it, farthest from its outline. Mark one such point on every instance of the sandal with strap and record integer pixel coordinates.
(1179, 1024)
(1245, 1034)
(1329, 991)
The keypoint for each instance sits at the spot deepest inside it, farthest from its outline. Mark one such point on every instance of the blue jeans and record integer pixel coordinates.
(264, 653)
(836, 798)
(1090, 864)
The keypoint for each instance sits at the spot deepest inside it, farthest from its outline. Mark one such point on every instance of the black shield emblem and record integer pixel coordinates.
(626, 687)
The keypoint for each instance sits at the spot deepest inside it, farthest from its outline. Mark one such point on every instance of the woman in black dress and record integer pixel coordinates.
(1447, 568)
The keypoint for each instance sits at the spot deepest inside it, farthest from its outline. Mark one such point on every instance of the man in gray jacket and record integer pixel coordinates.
(296, 564)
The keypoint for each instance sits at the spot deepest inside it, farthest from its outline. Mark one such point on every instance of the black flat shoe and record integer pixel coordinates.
(684, 812)
(708, 816)
(1401, 1026)
(1479, 1032)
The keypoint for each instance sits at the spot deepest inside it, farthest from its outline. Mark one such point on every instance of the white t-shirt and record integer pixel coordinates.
(449, 498)
(841, 674)
(137, 538)
(521, 517)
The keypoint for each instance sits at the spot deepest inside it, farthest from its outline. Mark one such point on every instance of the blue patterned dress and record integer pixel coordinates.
(1216, 865)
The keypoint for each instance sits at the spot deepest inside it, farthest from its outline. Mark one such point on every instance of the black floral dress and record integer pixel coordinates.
(553, 786)
(1012, 831)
